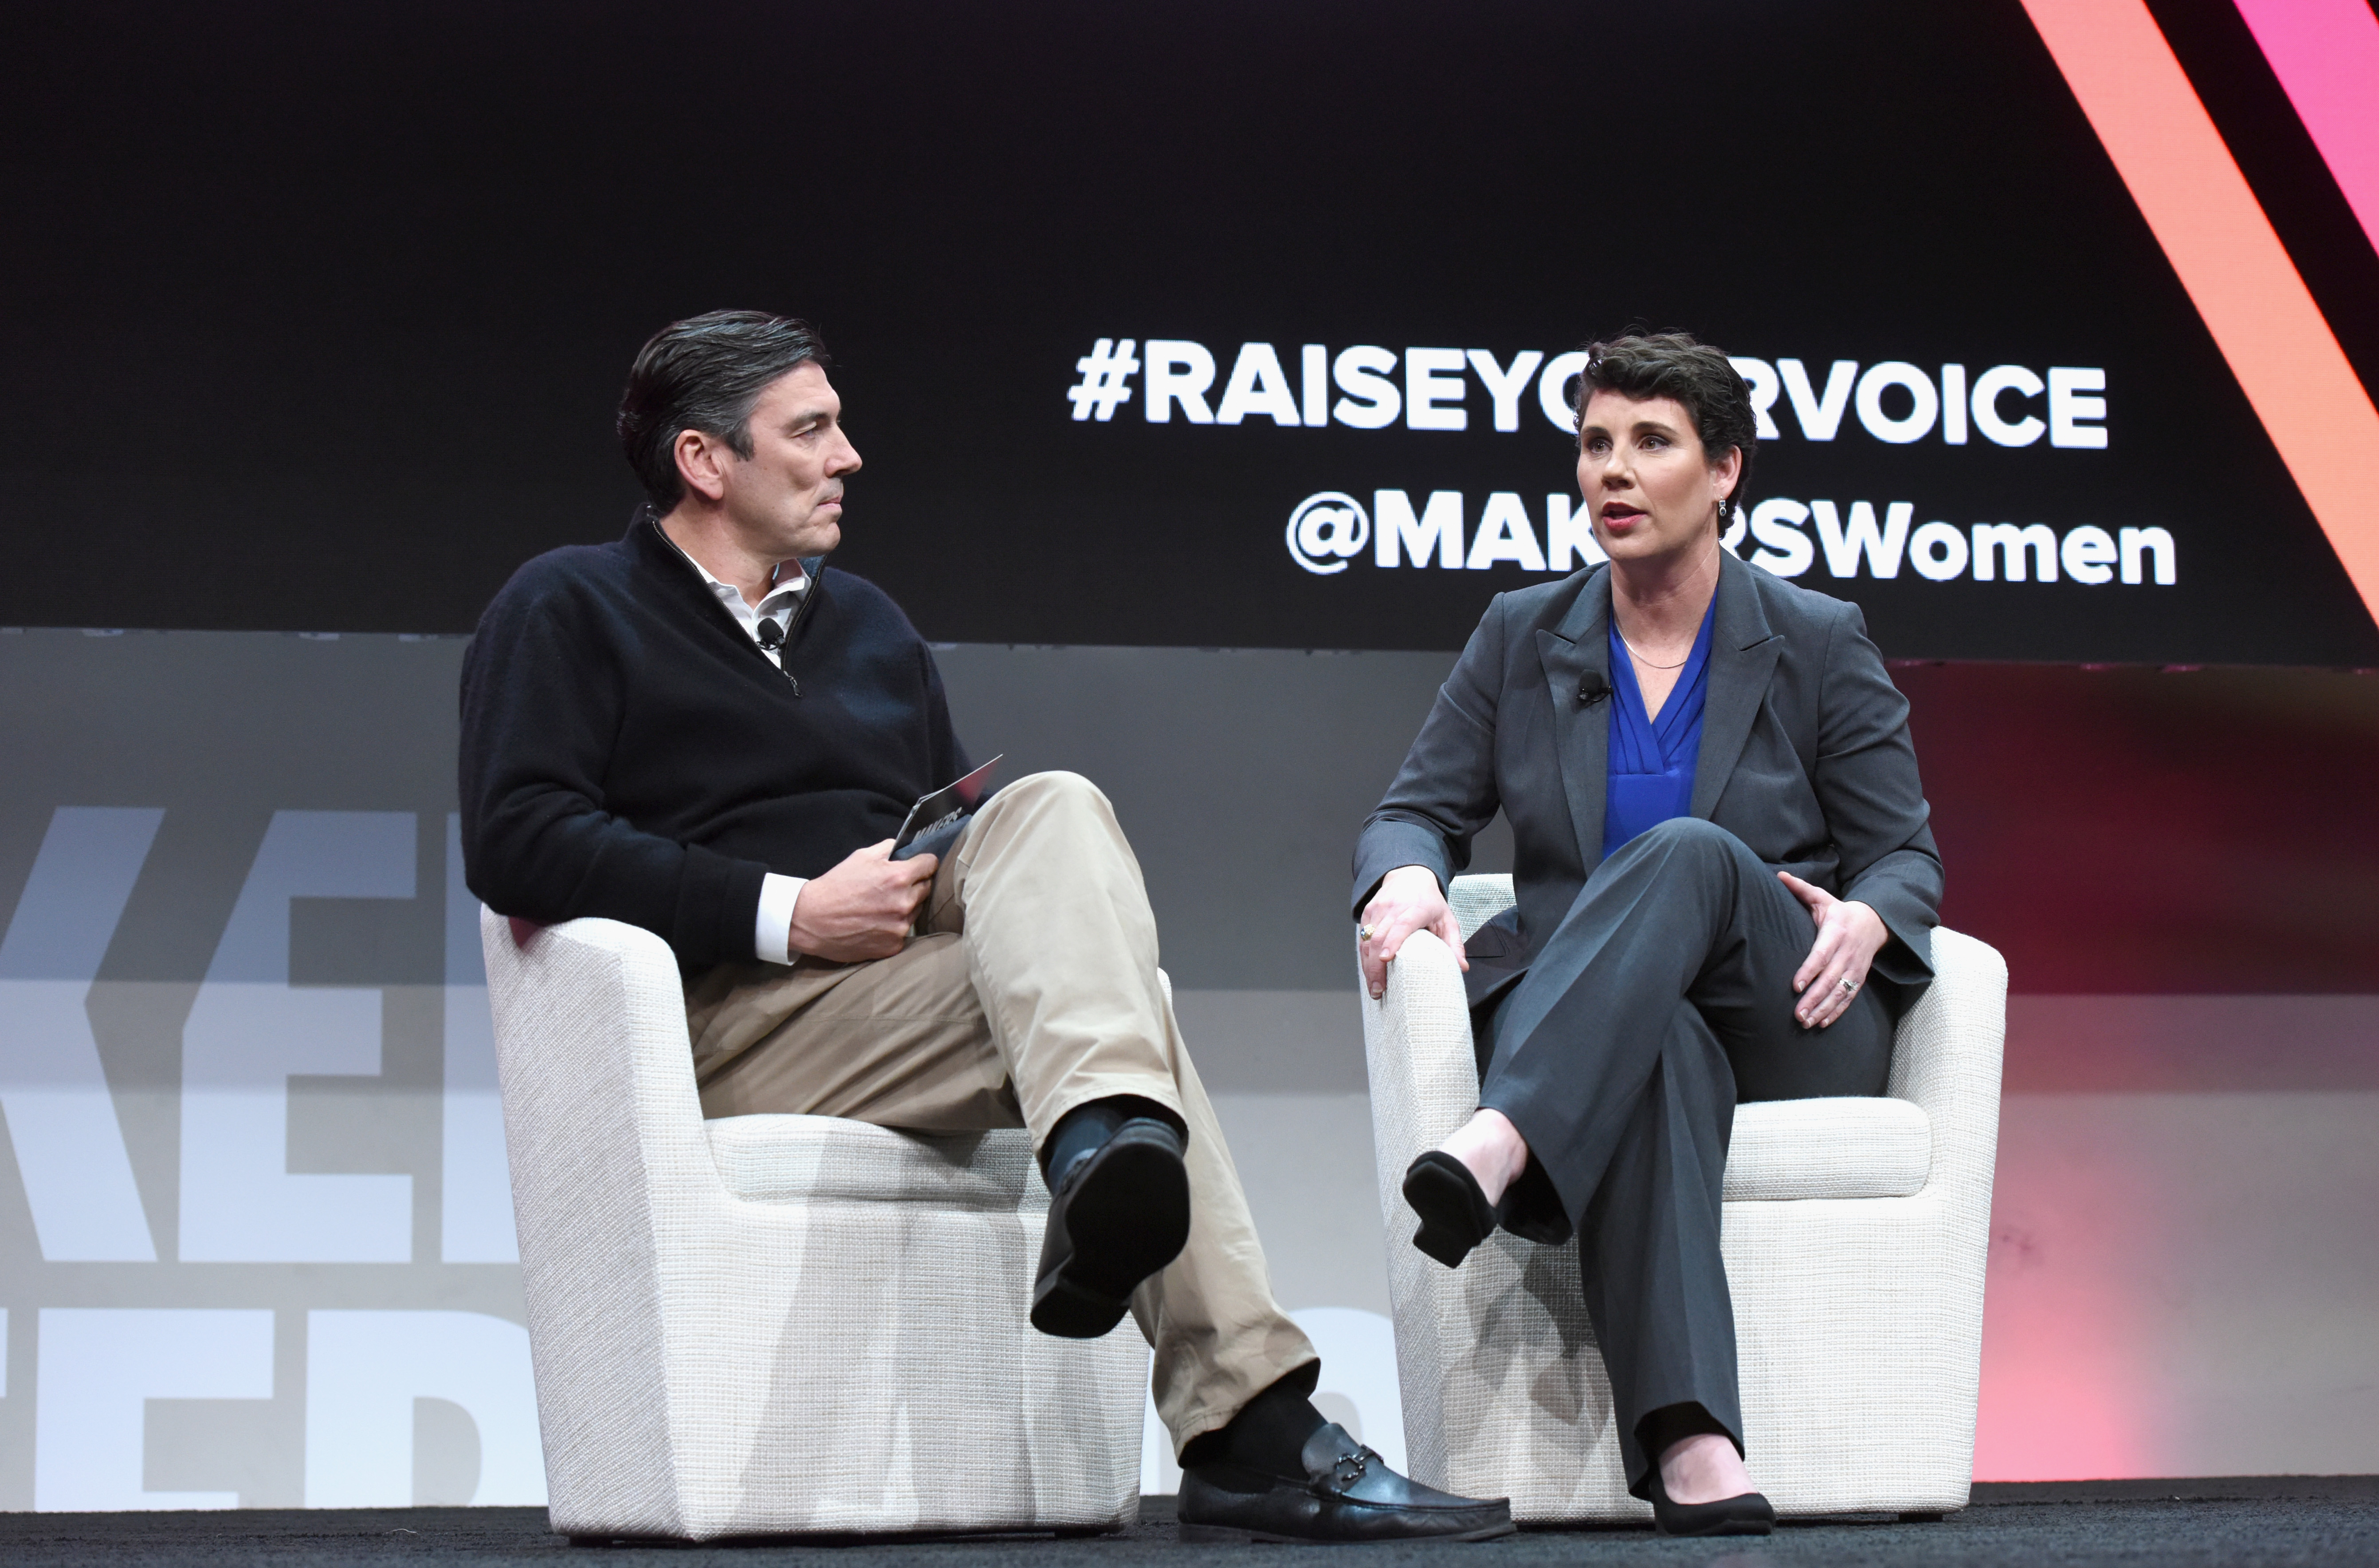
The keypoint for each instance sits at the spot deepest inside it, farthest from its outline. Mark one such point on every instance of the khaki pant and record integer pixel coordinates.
(1030, 989)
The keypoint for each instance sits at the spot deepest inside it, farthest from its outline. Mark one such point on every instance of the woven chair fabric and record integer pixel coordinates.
(783, 1159)
(1782, 1150)
(776, 1324)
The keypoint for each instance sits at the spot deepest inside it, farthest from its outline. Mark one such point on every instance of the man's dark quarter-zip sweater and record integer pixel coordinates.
(629, 752)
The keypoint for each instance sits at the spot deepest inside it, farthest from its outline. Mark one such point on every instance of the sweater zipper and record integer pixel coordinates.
(793, 627)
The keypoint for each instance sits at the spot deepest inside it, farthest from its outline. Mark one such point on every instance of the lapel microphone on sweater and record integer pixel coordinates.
(1592, 688)
(772, 638)
(784, 639)
(768, 634)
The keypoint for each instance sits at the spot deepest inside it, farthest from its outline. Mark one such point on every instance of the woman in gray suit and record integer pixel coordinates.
(1726, 890)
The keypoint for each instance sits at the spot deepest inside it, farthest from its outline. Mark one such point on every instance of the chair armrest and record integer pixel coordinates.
(1424, 1077)
(1946, 1058)
(1425, 1080)
(590, 1031)
(1477, 899)
(604, 1128)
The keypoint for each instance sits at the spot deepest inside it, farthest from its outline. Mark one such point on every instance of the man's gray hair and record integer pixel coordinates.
(705, 373)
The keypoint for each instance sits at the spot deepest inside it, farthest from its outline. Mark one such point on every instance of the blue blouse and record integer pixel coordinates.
(1651, 769)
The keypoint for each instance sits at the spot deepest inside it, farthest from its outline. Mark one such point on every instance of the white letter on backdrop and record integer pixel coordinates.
(1760, 377)
(249, 1030)
(1552, 389)
(54, 1089)
(475, 1188)
(1784, 549)
(1505, 384)
(1506, 534)
(2068, 407)
(1177, 371)
(99, 1365)
(1362, 373)
(1434, 376)
(1439, 525)
(1925, 404)
(363, 1373)
(1569, 531)
(1882, 546)
(1820, 416)
(1985, 403)
(1258, 385)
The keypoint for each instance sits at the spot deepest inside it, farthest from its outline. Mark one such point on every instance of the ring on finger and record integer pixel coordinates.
(1848, 986)
(1363, 934)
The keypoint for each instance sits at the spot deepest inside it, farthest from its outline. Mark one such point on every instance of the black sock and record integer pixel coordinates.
(1087, 1127)
(1269, 1431)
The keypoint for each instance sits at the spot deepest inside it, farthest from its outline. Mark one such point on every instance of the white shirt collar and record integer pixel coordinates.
(779, 595)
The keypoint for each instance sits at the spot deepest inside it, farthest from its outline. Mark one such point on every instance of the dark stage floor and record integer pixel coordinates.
(2254, 1520)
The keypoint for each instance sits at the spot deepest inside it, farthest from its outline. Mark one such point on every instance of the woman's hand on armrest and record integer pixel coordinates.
(1409, 900)
(1849, 936)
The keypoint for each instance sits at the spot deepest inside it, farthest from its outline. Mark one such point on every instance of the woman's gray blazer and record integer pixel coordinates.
(1805, 757)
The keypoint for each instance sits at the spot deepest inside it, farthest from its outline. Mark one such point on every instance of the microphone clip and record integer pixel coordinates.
(771, 638)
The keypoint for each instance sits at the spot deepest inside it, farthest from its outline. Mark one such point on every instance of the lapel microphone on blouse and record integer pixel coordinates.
(1592, 688)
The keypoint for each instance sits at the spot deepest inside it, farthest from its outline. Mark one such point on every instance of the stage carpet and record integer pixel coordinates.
(2254, 1520)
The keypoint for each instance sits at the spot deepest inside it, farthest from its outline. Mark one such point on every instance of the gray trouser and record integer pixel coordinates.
(1665, 996)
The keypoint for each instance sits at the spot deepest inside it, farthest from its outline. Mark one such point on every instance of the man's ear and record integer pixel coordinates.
(701, 464)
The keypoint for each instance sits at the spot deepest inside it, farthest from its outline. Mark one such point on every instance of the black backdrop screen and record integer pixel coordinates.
(320, 312)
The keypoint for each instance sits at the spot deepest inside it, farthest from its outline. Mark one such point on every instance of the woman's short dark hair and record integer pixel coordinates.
(705, 373)
(1678, 365)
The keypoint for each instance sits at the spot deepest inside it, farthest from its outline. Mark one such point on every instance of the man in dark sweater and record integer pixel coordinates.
(703, 731)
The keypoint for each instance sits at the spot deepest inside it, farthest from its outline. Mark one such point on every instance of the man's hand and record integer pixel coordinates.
(1409, 901)
(1849, 936)
(863, 908)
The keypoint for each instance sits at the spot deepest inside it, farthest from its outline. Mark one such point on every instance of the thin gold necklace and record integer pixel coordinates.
(1648, 663)
(1689, 646)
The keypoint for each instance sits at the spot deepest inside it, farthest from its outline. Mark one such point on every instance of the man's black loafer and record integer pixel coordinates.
(1119, 1214)
(1348, 1493)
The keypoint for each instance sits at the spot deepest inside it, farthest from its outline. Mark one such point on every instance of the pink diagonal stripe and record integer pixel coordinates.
(2327, 54)
(2214, 234)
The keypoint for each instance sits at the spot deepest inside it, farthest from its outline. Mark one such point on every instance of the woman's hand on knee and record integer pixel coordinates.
(1409, 900)
(1849, 936)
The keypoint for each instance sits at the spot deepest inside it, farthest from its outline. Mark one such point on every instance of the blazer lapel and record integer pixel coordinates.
(1742, 656)
(1579, 646)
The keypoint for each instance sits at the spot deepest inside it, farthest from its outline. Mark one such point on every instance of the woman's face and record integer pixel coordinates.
(1648, 486)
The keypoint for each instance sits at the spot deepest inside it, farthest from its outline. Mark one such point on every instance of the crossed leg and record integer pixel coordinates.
(1609, 1099)
(1032, 990)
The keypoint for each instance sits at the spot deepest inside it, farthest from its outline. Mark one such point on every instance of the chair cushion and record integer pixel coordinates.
(787, 1159)
(1839, 1148)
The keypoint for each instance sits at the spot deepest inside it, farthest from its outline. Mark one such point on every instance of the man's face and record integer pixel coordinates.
(786, 499)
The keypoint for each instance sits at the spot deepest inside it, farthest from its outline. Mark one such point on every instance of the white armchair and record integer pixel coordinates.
(765, 1324)
(1855, 1232)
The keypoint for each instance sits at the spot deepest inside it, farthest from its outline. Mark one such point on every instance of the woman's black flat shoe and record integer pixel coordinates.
(1746, 1515)
(1454, 1213)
